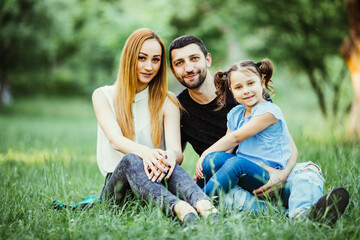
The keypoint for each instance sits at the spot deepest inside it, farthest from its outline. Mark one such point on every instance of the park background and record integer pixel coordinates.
(54, 53)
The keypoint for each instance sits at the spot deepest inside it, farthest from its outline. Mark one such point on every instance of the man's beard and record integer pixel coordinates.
(197, 83)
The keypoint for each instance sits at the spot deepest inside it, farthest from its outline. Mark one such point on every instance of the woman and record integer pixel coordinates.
(137, 118)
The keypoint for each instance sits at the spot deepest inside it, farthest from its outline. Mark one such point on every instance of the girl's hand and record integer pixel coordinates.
(199, 174)
(194, 177)
(277, 179)
(152, 159)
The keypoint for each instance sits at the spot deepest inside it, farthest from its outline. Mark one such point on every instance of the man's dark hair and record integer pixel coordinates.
(184, 41)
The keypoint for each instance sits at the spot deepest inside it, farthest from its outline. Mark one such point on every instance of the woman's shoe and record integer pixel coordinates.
(190, 219)
(213, 216)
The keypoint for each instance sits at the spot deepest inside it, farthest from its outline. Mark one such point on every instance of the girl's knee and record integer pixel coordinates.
(209, 160)
(211, 156)
(236, 162)
(214, 158)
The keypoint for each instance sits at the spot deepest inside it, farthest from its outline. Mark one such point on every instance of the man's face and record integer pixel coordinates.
(189, 65)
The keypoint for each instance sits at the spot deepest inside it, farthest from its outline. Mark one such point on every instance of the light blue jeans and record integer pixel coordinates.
(303, 187)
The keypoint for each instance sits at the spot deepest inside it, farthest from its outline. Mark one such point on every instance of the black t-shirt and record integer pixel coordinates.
(201, 125)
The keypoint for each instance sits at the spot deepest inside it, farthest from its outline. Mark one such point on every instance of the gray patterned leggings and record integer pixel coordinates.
(130, 174)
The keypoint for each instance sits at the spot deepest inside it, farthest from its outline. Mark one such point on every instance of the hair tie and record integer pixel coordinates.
(226, 75)
(258, 64)
(223, 74)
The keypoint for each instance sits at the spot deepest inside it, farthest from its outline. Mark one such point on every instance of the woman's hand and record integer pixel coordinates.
(199, 174)
(169, 162)
(277, 179)
(153, 163)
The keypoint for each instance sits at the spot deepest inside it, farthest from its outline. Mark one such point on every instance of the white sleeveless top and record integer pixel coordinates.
(107, 157)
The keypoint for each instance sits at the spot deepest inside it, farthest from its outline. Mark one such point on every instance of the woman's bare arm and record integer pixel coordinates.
(112, 131)
(172, 135)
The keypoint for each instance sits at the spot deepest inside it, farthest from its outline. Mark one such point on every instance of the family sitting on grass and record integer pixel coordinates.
(247, 155)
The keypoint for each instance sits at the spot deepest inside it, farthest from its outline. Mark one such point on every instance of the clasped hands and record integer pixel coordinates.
(157, 164)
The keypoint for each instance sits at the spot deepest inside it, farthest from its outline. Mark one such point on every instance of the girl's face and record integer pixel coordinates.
(149, 62)
(247, 88)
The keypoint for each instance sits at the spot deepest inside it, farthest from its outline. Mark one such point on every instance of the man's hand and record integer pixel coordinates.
(277, 179)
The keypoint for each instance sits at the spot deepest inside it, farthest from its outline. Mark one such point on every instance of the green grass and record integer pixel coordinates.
(48, 152)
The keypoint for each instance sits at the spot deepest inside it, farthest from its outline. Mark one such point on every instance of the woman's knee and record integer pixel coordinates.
(129, 159)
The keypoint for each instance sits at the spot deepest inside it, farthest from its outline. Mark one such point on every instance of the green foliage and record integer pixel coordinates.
(48, 152)
(29, 32)
(304, 35)
(71, 47)
(199, 18)
(34, 37)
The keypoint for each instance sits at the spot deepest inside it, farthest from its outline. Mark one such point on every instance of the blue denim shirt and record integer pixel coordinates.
(271, 146)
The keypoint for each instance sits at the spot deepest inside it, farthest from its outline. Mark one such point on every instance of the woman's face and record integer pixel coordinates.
(149, 62)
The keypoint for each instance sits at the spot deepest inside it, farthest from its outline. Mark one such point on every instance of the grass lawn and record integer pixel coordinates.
(48, 152)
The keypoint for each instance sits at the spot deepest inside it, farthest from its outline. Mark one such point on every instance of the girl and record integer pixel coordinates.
(257, 127)
(138, 146)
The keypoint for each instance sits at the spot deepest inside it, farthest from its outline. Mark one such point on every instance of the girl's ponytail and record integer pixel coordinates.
(266, 68)
(220, 80)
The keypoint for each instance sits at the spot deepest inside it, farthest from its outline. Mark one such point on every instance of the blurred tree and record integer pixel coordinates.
(59, 45)
(303, 34)
(205, 19)
(31, 34)
(351, 52)
(70, 47)
(102, 31)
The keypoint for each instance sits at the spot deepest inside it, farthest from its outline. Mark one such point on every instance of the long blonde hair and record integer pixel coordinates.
(127, 82)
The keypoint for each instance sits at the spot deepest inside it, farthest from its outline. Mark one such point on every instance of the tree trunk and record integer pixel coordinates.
(351, 53)
(2, 87)
(318, 91)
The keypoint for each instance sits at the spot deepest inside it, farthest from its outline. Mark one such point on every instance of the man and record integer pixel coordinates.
(202, 125)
